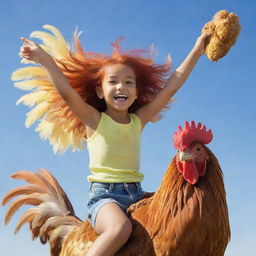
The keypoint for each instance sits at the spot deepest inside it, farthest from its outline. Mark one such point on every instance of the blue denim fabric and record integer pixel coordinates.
(124, 194)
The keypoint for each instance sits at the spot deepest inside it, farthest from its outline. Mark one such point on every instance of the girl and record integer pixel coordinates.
(118, 96)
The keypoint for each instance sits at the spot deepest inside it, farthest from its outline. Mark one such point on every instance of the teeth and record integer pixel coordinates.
(120, 96)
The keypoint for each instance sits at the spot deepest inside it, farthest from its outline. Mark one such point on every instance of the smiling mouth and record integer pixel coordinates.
(120, 97)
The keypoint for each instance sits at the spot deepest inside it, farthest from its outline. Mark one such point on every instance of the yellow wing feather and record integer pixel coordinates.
(28, 73)
(28, 85)
(54, 43)
(36, 113)
(33, 98)
(57, 123)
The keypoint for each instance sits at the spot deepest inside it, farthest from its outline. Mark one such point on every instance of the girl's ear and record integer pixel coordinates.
(99, 92)
(136, 96)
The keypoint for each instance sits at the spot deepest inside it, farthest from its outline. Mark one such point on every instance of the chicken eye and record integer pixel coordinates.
(198, 149)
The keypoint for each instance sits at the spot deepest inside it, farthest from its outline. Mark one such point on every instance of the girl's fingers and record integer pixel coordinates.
(27, 41)
(28, 57)
(24, 48)
(21, 54)
(205, 35)
(24, 54)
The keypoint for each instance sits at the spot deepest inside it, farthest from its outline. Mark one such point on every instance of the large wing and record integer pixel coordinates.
(56, 120)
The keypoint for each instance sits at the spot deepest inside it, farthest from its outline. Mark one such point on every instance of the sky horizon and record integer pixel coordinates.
(220, 95)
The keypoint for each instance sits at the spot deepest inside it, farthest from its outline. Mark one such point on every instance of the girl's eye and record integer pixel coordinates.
(129, 82)
(112, 82)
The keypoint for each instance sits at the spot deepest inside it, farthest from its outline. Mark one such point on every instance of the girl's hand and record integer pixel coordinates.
(33, 52)
(201, 43)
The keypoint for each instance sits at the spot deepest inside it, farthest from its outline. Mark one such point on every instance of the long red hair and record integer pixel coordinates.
(86, 72)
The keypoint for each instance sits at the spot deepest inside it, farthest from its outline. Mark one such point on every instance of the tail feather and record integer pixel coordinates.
(33, 199)
(61, 193)
(58, 233)
(54, 222)
(24, 190)
(53, 216)
(35, 179)
(40, 219)
(27, 217)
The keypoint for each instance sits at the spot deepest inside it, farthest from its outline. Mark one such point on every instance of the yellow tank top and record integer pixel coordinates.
(114, 151)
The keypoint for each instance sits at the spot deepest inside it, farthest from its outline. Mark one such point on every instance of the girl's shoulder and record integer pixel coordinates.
(138, 119)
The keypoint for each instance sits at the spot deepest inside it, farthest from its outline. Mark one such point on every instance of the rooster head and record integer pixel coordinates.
(192, 157)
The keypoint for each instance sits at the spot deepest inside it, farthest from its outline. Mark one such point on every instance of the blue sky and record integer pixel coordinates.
(221, 95)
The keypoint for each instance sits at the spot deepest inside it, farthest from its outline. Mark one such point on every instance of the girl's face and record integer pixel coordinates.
(118, 87)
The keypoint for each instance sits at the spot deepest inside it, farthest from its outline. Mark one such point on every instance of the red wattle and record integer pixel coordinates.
(189, 171)
(201, 168)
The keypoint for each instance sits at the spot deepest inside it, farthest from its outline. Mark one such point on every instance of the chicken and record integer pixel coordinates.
(224, 30)
(187, 215)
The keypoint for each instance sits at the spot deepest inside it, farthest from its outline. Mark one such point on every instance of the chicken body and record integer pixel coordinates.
(179, 219)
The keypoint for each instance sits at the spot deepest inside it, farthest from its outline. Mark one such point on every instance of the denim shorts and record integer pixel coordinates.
(123, 194)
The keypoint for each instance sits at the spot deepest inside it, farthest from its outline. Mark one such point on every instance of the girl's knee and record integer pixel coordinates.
(128, 227)
(122, 229)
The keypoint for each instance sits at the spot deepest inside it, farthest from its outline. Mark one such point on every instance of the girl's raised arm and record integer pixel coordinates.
(173, 84)
(86, 113)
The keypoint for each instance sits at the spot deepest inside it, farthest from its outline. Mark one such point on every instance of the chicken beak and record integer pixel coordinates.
(185, 156)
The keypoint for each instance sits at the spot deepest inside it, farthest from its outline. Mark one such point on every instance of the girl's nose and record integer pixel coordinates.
(120, 85)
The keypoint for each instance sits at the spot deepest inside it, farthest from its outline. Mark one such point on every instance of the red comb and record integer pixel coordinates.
(182, 139)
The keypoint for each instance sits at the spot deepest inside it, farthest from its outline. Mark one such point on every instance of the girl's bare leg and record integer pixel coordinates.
(114, 228)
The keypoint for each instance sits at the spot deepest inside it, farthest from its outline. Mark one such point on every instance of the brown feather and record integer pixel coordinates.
(52, 218)
(23, 190)
(33, 178)
(27, 217)
(60, 192)
(33, 199)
